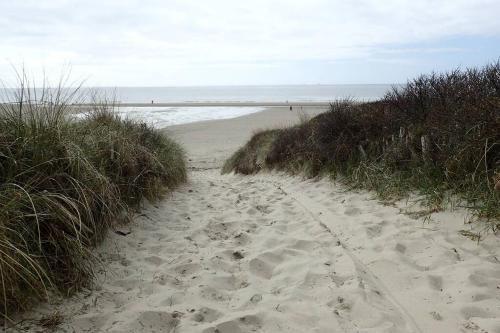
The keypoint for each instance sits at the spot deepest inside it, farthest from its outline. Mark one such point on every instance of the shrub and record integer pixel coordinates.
(439, 133)
(251, 158)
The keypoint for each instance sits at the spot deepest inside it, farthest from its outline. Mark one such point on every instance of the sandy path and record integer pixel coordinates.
(438, 280)
(232, 254)
(273, 253)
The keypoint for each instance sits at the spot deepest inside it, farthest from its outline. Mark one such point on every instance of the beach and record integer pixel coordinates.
(250, 166)
(276, 253)
(210, 143)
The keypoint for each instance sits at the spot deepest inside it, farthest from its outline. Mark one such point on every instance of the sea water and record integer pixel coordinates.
(166, 116)
(291, 93)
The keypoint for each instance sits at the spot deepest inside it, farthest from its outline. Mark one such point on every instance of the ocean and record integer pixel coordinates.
(292, 93)
(166, 116)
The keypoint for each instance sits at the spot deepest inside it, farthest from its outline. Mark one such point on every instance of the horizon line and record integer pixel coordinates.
(220, 85)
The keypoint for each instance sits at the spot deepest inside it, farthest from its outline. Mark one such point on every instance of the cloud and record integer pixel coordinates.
(112, 38)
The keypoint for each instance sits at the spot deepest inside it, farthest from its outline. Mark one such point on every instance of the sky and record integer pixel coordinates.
(253, 42)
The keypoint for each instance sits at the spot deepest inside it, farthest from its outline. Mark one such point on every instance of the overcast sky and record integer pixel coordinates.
(219, 42)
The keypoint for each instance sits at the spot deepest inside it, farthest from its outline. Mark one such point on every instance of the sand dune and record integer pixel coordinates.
(274, 253)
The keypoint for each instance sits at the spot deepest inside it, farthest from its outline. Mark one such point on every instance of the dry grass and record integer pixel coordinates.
(63, 183)
(252, 157)
(439, 134)
(52, 321)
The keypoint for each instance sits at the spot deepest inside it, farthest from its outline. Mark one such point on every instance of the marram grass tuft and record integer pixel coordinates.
(64, 182)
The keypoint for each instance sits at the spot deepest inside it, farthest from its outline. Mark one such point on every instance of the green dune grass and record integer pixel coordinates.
(64, 182)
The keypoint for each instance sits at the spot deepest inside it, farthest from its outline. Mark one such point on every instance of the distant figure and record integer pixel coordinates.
(290, 108)
(152, 101)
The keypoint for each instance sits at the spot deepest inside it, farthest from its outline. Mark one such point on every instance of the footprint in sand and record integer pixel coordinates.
(304, 245)
(352, 211)
(187, 269)
(244, 324)
(264, 209)
(241, 239)
(374, 230)
(90, 322)
(166, 279)
(484, 278)
(251, 211)
(223, 263)
(263, 266)
(311, 280)
(206, 315)
(214, 294)
(341, 305)
(400, 248)
(154, 260)
(230, 282)
(436, 282)
(220, 231)
(153, 321)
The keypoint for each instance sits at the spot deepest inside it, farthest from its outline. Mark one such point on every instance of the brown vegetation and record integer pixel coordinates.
(438, 134)
(63, 183)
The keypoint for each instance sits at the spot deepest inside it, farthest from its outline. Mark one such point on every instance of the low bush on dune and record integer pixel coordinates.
(252, 157)
(439, 134)
(63, 183)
